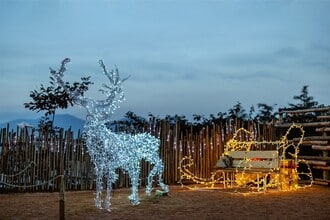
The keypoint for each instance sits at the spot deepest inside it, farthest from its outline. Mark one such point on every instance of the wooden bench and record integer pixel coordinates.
(243, 167)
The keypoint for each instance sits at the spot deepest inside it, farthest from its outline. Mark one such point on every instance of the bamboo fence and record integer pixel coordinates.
(34, 162)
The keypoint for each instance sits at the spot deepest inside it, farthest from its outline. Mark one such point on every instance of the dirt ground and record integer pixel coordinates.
(180, 203)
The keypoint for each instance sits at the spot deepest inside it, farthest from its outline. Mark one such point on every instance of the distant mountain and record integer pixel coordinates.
(62, 120)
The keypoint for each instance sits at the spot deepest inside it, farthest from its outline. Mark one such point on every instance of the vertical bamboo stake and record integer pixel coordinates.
(62, 199)
(34, 159)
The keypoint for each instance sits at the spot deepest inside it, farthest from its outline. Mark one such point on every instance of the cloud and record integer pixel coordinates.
(287, 52)
(185, 56)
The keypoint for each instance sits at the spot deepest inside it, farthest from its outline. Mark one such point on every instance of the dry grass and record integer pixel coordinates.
(310, 203)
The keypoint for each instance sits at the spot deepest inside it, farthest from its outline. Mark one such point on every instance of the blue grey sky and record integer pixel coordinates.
(185, 57)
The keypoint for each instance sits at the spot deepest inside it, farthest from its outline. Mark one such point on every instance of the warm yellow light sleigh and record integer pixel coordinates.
(250, 166)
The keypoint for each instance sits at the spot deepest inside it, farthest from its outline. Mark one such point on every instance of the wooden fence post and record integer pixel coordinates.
(62, 198)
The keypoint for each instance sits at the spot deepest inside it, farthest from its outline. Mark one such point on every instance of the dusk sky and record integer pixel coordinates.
(185, 57)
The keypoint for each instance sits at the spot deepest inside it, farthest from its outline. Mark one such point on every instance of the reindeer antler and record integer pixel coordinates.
(113, 91)
(58, 75)
(113, 77)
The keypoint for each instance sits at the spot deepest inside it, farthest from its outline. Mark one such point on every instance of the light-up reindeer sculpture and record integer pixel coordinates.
(109, 150)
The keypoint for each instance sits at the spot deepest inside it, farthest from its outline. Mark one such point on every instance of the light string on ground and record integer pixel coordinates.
(4, 177)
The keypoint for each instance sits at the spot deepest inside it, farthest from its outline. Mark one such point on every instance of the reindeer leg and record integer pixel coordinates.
(108, 196)
(160, 168)
(98, 200)
(134, 175)
(151, 175)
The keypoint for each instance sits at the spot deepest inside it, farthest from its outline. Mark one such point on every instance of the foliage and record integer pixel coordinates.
(251, 112)
(237, 112)
(131, 124)
(54, 97)
(265, 114)
(304, 100)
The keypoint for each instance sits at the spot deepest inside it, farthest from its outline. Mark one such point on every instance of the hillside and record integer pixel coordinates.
(62, 120)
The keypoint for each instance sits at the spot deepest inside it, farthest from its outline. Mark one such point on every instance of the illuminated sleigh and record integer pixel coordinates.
(256, 165)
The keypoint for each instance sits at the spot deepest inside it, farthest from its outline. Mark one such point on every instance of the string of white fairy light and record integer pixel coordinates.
(278, 180)
(4, 178)
(31, 185)
(61, 191)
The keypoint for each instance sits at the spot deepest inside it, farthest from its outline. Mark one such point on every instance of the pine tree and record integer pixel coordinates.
(304, 100)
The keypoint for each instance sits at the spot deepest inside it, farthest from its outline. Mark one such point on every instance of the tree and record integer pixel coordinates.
(304, 100)
(131, 123)
(251, 112)
(265, 113)
(237, 112)
(136, 123)
(197, 118)
(53, 97)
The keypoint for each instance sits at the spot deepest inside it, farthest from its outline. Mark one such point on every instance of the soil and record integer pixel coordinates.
(180, 203)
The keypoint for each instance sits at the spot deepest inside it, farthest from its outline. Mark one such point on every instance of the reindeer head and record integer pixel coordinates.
(98, 110)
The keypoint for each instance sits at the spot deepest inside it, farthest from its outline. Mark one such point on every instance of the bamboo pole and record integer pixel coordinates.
(62, 198)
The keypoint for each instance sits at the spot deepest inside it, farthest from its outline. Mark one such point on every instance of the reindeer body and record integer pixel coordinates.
(109, 150)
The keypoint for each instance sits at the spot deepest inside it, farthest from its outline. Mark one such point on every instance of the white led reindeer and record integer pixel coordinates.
(109, 150)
